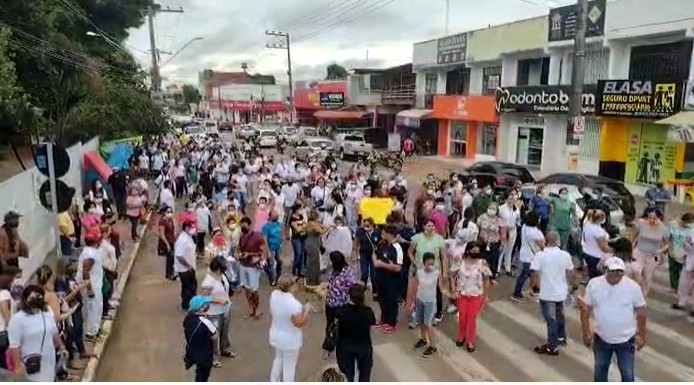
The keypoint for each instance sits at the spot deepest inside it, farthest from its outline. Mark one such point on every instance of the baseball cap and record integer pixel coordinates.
(12, 215)
(198, 302)
(614, 263)
(92, 233)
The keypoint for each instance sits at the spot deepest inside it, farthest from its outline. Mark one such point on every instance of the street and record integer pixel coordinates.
(147, 341)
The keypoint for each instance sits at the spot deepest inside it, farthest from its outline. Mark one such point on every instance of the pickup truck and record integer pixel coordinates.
(351, 145)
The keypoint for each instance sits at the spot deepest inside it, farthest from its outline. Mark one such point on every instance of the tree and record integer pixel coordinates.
(191, 95)
(335, 72)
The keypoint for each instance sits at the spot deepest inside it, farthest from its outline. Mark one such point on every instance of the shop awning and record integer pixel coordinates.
(340, 114)
(683, 118)
(415, 113)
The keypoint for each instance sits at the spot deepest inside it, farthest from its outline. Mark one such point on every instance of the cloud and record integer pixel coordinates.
(322, 32)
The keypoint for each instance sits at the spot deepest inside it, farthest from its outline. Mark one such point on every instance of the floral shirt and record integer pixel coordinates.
(470, 277)
(338, 287)
(490, 228)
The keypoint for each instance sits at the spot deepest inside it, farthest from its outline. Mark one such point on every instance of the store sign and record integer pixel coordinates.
(543, 99)
(452, 49)
(563, 20)
(332, 99)
(644, 99)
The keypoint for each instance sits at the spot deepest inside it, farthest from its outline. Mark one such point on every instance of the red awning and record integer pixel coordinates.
(93, 160)
(340, 114)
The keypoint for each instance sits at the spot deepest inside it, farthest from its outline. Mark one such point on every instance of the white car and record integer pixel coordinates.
(268, 138)
(307, 131)
(352, 145)
(246, 132)
(291, 133)
(314, 145)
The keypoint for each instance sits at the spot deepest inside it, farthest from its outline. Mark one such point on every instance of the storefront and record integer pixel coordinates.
(418, 125)
(633, 148)
(467, 126)
(533, 128)
(310, 97)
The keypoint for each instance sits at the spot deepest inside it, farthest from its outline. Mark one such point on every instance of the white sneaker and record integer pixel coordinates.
(451, 309)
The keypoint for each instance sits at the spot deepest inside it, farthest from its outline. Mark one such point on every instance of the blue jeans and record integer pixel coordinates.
(366, 267)
(274, 269)
(522, 278)
(556, 325)
(298, 259)
(603, 352)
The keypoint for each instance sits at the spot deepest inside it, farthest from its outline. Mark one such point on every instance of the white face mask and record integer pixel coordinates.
(93, 210)
(192, 231)
(491, 212)
(440, 207)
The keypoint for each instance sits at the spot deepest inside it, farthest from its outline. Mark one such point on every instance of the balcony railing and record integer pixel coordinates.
(398, 94)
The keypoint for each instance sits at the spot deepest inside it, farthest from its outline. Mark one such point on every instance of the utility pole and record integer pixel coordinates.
(151, 12)
(282, 41)
(447, 15)
(578, 70)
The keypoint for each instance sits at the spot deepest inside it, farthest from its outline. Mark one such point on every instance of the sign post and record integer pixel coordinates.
(54, 197)
(579, 126)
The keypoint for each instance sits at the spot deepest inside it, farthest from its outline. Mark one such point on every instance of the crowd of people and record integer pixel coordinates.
(356, 240)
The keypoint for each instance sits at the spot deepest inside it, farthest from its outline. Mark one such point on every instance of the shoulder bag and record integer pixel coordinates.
(32, 362)
(330, 340)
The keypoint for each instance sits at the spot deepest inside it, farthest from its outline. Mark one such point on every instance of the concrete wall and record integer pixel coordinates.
(424, 54)
(20, 193)
(633, 18)
(489, 44)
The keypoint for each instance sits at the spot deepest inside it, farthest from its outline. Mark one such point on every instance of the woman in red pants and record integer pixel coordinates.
(471, 282)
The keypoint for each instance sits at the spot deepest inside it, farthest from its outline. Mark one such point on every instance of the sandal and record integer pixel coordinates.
(216, 364)
(68, 378)
(230, 354)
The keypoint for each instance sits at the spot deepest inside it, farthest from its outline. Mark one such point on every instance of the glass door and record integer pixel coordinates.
(458, 139)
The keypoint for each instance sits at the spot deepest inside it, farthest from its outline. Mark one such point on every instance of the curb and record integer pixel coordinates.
(93, 363)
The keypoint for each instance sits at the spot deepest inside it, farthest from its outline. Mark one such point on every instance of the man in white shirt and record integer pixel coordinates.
(291, 192)
(617, 304)
(511, 216)
(552, 266)
(166, 195)
(184, 263)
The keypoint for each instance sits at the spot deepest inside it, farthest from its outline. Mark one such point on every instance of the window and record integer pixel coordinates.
(353, 138)
(530, 146)
(458, 82)
(533, 72)
(486, 139)
(430, 81)
(458, 145)
(491, 79)
(661, 61)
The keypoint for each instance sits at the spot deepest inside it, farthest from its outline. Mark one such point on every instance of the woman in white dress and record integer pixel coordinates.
(34, 338)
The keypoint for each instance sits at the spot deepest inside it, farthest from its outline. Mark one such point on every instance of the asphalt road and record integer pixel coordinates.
(147, 343)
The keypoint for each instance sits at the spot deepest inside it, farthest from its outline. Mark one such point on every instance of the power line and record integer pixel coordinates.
(374, 7)
(356, 7)
(316, 15)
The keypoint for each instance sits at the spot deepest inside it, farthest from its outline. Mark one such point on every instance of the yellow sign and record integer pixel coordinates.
(377, 209)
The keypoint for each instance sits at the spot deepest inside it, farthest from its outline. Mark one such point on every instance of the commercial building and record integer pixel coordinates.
(245, 103)
(210, 83)
(638, 58)
(311, 97)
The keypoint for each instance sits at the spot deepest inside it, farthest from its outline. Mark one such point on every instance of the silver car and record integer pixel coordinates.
(314, 145)
(247, 131)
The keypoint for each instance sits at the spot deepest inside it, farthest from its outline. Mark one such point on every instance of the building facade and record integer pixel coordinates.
(526, 66)
(245, 103)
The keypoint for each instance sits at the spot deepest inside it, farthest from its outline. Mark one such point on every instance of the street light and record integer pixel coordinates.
(191, 41)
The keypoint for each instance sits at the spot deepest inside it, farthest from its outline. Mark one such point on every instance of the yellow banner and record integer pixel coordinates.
(377, 209)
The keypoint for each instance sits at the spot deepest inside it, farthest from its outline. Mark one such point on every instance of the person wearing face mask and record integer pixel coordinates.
(203, 219)
(201, 337)
(563, 216)
(539, 204)
(261, 213)
(33, 332)
(426, 283)
(167, 238)
(135, 206)
(272, 231)
(353, 194)
(492, 236)
(595, 241)
(253, 255)
(12, 247)
(658, 197)
(291, 192)
(509, 212)
(188, 215)
(438, 216)
(90, 218)
(184, 262)
(480, 203)
(651, 244)
(428, 241)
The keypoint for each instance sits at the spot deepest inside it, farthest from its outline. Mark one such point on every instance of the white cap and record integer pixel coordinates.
(615, 263)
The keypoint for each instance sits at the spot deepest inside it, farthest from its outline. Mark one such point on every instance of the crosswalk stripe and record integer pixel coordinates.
(661, 361)
(530, 364)
(537, 327)
(465, 365)
(399, 364)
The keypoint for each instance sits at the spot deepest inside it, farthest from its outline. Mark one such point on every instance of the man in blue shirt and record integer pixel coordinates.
(540, 206)
(657, 197)
(272, 231)
(367, 238)
(388, 261)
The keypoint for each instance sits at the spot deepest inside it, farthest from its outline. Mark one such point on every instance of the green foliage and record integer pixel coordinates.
(83, 85)
(335, 72)
(190, 94)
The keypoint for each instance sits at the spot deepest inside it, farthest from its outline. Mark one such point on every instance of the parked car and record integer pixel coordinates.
(499, 175)
(226, 126)
(268, 137)
(613, 188)
(313, 145)
(247, 132)
(307, 131)
(576, 195)
(352, 145)
(291, 133)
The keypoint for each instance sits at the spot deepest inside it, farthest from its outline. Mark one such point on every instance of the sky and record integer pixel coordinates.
(351, 33)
